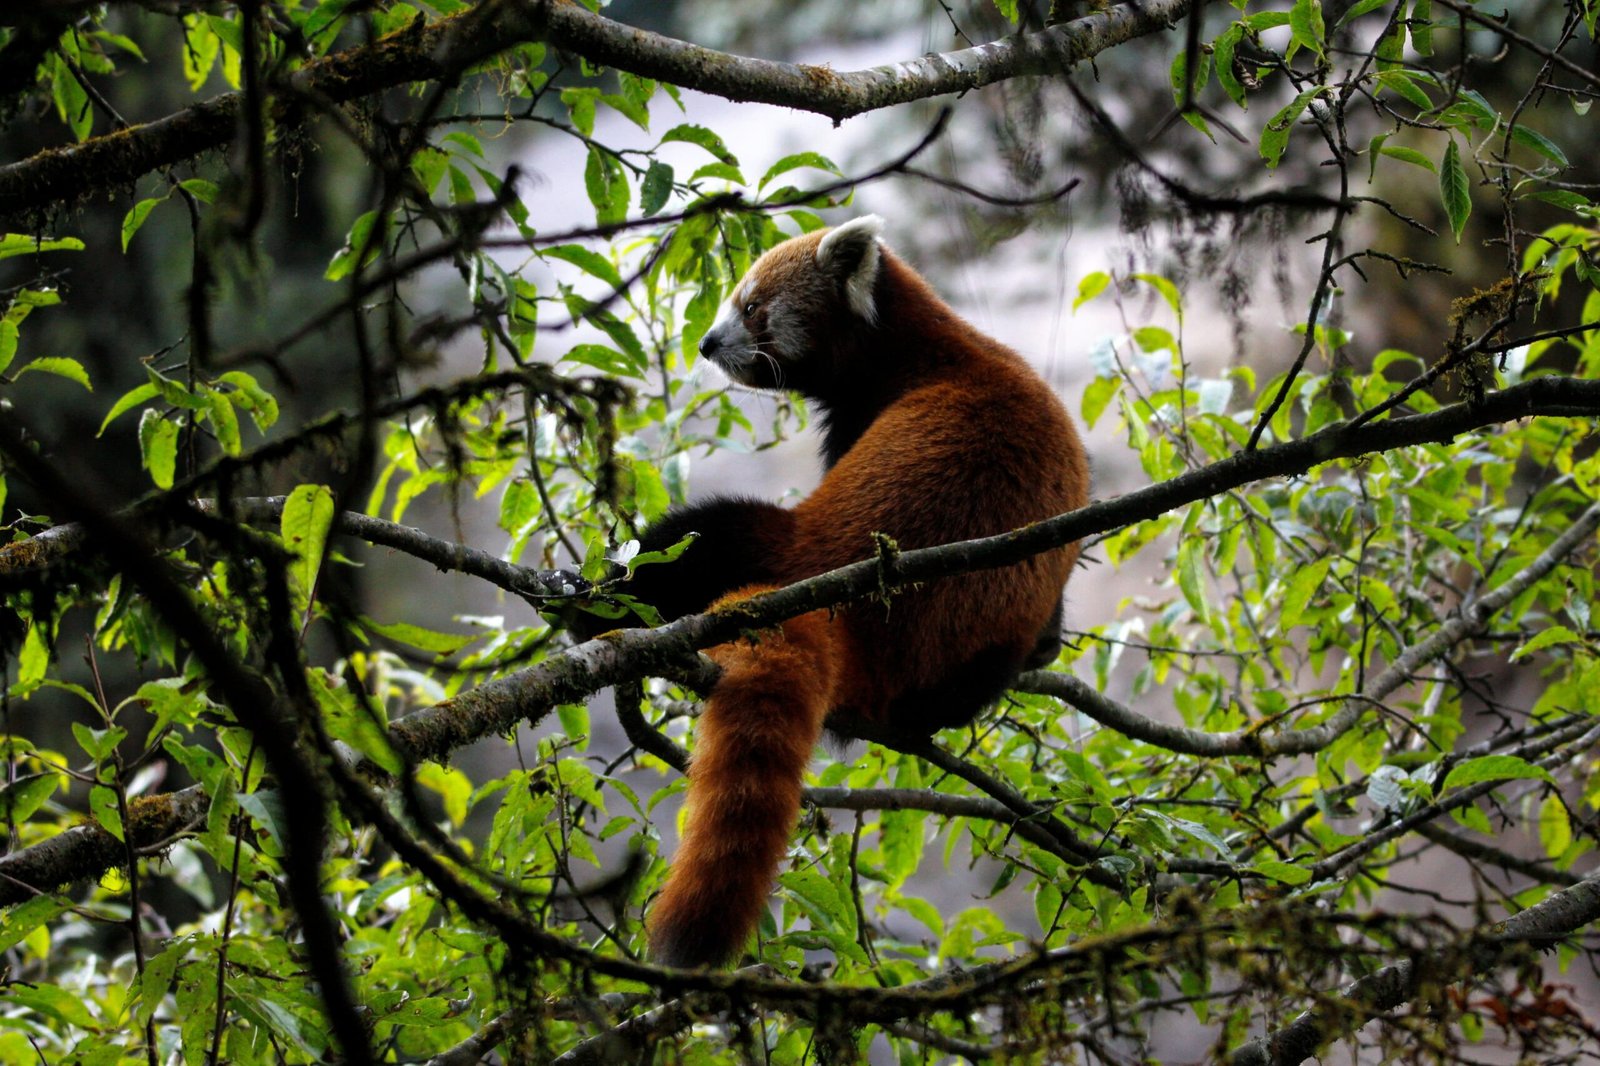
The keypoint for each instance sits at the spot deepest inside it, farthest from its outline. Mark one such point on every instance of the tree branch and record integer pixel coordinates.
(444, 49)
(1473, 619)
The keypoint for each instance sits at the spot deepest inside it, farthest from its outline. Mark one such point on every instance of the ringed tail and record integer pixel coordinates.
(752, 746)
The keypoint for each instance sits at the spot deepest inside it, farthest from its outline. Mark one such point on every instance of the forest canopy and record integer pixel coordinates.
(347, 348)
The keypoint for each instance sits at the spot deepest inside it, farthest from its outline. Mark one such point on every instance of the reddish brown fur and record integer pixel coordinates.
(959, 438)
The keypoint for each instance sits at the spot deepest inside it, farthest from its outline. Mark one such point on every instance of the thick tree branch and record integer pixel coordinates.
(443, 50)
(1539, 926)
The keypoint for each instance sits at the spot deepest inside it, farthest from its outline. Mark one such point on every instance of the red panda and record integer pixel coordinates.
(932, 432)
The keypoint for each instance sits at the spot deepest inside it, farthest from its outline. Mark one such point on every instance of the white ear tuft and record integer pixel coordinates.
(850, 253)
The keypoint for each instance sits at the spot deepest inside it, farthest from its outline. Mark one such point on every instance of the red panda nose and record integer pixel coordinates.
(709, 343)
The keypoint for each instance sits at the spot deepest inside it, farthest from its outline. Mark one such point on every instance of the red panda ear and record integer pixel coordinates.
(850, 254)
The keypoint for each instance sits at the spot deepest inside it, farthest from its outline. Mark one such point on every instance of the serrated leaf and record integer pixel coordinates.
(1494, 768)
(1454, 189)
(61, 367)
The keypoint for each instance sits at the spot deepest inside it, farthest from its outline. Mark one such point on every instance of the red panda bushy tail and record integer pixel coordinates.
(751, 749)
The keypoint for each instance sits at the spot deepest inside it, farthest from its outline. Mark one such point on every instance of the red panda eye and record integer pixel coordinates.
(750, 309)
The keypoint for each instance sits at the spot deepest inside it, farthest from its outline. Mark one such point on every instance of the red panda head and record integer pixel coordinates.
(787, 322)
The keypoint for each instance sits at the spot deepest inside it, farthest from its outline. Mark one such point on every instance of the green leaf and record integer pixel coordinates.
(72, 103)
(152, 985)
(22, 244)
(1409, 155)
(1359, 9)
(103, 806)
(587, 260)
(266, 807)
(1288, 873)
(130, 399)
(691, 134)
(795, 162)
(1091, 286)
(1191, 553)
(261, 404)
(224, 421)
(1555, 826)
(1494, 768)
(1096, 396)
(1224, 49)
(61, 367)
(1305, 25)
(200, 189)
(655, 188)
(418, 637)
(1422, 27)
(1545, 638)
(158, 447)
(602, 358)
(98, 744)
(1275, 137)
(1008, 8)
(8, 343)
(1168, 291)
(18, 922)
(1454, 189)
(1531, 138)
(1305, 584)
(360, 243)
(135, 218)
(25, 795)
(307, 517)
